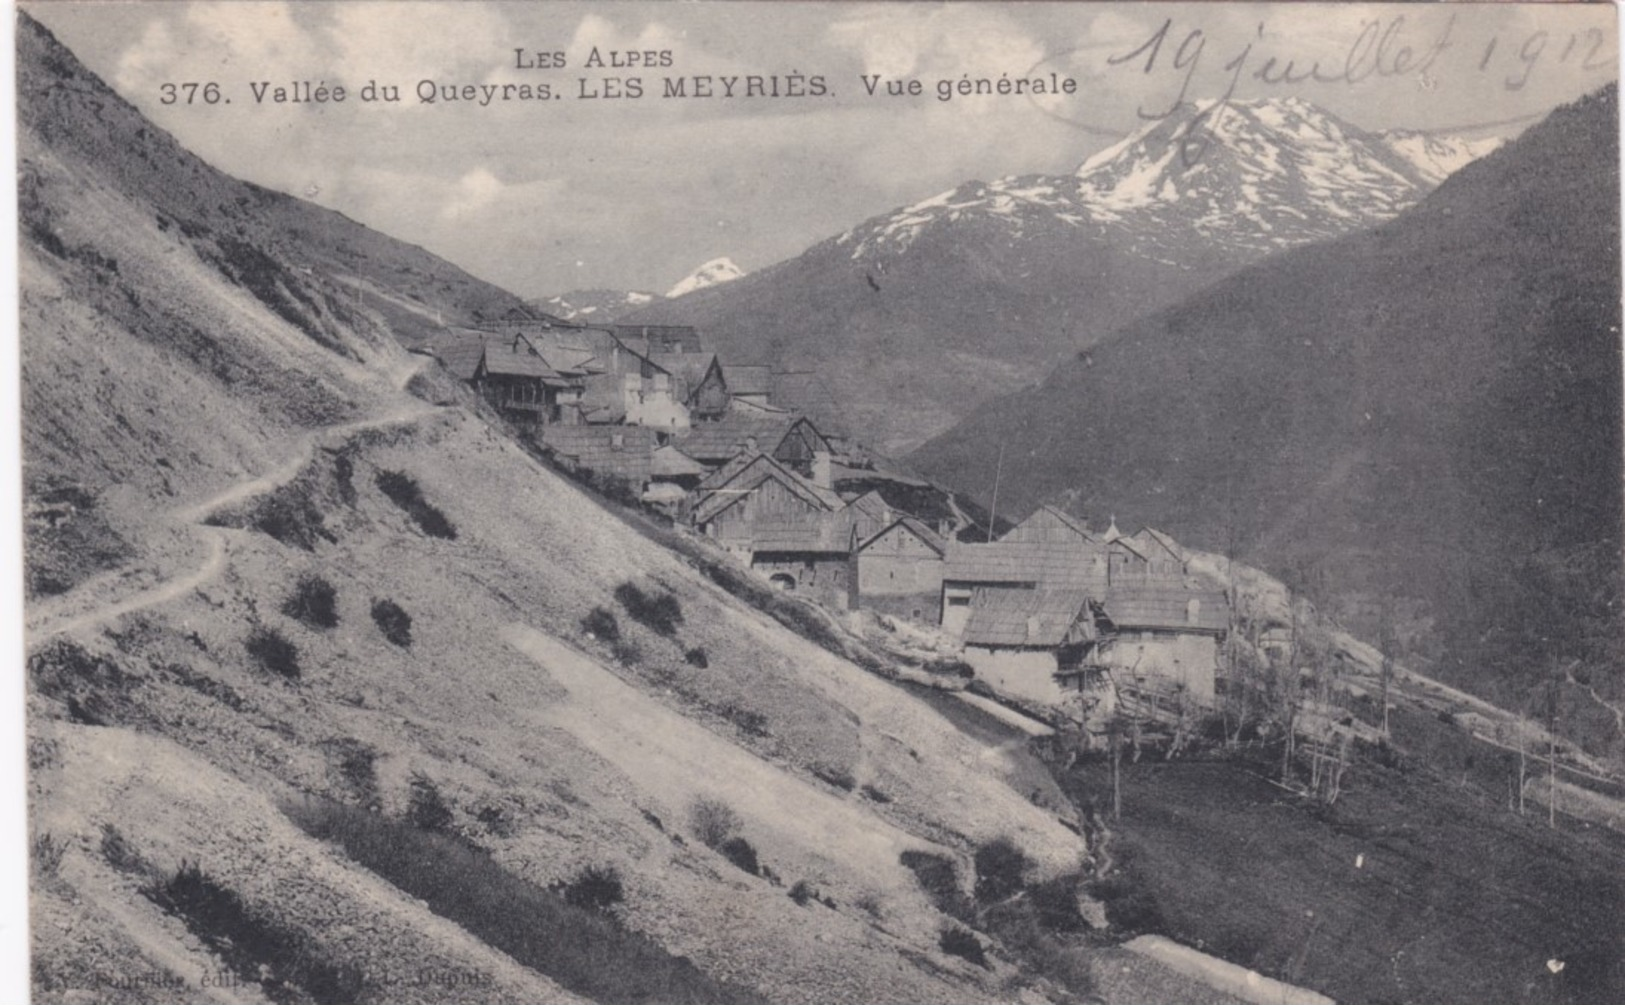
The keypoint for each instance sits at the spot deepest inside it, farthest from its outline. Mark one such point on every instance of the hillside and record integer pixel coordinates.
(335, 692)
(1428, 412)
(918, 315)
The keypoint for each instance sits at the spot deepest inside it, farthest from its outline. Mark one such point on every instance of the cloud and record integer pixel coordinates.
(207, 39)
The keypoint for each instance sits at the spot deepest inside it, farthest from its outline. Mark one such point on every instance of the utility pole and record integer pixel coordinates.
(1551, 754)
(993, 514)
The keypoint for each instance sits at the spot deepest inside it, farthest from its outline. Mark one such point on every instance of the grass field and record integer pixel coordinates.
(1417, 886)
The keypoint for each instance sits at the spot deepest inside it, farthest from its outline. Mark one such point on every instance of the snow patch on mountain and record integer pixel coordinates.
(717, 270)
(1243, 177)
(595, 305)
(1439, 156)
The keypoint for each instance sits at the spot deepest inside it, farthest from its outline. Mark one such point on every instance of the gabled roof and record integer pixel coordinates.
(714, 498)
(461, 357)
(1154, 535)
(1009, 616)
(691, 367)
(515, 358)
(1056, 565)
(871, 505)
(1048, 523)
(748, 379)
(595, 448)
(669, 462)
(930, 537)
(1158, 606)
(717, 441)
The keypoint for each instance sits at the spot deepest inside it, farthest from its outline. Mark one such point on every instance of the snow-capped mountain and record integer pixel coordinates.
(1250, 176)
(1438, 156)
(596, 305)
(712, 273)
(918, 315)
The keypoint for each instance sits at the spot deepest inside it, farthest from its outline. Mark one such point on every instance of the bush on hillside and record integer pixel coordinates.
(939, 879)
(596, 887)
(393, 621)
(999, 868)
(660, 612)
(713, 822)
(956, 941)
(404, 492)
(696, 657)
(273, 652)
(601, 624)
(427, 809)
(742, 854)
(313, 602)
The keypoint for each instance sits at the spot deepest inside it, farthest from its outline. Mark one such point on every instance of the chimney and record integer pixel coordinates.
(823, 471)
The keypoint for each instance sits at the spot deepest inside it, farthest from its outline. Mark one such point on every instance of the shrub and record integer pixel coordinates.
(1130, 907)
(273, 652)
(696, 657)
(869, 903)
(283, 963)
(45, 853)
(956, 941)
(999, 868)
(740, 852)
(626, 653)
(838, 777)
(118, 852)
(393, 621)
(313, 601)
(357, 767)
(713, 822)
(601, 624)
(403, 491)
(660, 612)
(585, 951)
(875, 794)
(596, 887)
(427, 810)
(940, 881)
(801, 893)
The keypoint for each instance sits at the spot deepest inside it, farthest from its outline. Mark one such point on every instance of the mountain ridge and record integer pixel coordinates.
(919, 314)
(1399, 412)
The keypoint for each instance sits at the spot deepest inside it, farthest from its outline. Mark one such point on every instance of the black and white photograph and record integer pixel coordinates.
(818, 503)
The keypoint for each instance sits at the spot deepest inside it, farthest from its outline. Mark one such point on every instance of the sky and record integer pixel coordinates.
(633, 193)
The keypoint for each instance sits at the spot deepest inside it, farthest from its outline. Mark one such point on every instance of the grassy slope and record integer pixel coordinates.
(173, 387)
(1428, 410)
(1415, 887)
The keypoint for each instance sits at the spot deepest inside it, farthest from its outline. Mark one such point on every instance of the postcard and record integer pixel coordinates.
(821, 502)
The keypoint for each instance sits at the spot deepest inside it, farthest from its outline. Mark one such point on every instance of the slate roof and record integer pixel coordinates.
(1054, 565)
(1007, 616)
(461, 357)
(1165, 606)
(748, 379)
(1159, 537)
(604, 398)
(593, 447)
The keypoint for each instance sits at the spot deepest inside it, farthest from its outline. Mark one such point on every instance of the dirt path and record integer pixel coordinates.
(57, 617)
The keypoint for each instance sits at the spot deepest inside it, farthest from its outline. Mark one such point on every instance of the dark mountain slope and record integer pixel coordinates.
(1430, 409)
(69, 109)
(917, 315)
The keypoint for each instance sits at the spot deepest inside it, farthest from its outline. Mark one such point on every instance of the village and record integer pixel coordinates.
(758, 462)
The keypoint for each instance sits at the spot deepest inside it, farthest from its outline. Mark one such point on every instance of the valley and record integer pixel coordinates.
(1184, 579)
